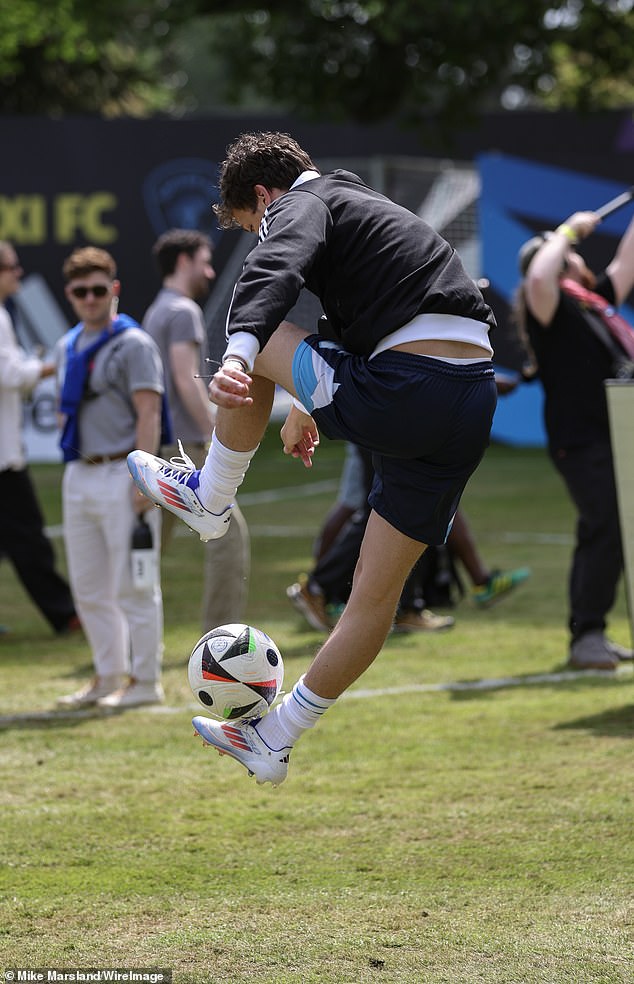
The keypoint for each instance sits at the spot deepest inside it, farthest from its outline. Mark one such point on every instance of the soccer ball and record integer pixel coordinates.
(236, 672)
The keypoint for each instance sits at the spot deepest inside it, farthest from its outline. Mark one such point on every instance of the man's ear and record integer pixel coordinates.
(262, 194)
(116, 288)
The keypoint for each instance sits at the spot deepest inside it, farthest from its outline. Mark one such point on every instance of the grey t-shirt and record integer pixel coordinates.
(130, 361)
(171, 318)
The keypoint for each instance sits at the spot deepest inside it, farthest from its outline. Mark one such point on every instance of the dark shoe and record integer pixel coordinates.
(592, 651)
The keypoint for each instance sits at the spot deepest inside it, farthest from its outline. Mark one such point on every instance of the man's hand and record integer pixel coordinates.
(229, 387)
(300, 436)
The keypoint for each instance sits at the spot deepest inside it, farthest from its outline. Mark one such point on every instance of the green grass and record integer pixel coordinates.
(447, 835)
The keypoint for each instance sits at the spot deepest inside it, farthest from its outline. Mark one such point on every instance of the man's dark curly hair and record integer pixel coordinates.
(169, 246)
(274, 160)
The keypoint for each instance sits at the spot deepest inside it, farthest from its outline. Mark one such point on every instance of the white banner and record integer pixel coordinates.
(620, 397)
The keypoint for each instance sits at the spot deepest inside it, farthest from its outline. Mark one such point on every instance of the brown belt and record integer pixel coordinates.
(103, 459)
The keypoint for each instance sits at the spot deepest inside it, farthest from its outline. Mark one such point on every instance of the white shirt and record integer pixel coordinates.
(18, 375)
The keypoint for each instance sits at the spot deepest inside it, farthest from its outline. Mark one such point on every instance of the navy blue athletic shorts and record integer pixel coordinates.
(427, 423)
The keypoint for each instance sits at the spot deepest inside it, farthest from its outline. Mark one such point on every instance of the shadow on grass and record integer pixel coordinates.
(49, 719)
(617, 722)
(571, 679)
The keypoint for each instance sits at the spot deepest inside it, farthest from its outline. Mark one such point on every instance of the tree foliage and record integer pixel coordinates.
(337, 60)
(65, 56)
(371, 59)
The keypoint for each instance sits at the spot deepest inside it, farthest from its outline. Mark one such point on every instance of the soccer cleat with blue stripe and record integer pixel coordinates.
(172, 485)
(244, 743)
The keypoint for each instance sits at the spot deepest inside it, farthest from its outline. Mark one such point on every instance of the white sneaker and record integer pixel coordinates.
(134, 694)
(97, 688)
(244, 744)
(172, 485)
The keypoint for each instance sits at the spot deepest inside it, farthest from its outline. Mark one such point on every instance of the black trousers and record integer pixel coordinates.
(23, 541)
(597, 561)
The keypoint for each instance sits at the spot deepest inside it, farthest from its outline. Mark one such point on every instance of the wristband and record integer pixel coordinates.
(245, 346)
(568, 232)
(236, 358)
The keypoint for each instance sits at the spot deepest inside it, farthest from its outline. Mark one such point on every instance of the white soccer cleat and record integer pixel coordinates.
(244, 744)
(172, 485)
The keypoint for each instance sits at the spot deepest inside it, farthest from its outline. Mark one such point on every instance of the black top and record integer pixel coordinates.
(373, 264)
(573, 363)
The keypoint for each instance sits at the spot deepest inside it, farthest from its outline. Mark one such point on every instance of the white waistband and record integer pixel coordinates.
(438, 327)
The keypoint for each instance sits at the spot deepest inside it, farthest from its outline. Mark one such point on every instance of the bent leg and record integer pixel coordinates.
(242, 428)
(386, 558)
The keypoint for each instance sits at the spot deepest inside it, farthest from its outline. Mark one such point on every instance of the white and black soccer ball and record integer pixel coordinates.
(236, 672)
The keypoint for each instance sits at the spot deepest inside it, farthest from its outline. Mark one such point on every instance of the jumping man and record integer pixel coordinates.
(401, 365)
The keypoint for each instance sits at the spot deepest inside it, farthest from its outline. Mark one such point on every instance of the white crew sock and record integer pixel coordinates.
(299, 711)
(221, 475)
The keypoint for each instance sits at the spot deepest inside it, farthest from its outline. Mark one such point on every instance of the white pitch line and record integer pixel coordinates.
(254, 499)
(526, 537)
(452, 686)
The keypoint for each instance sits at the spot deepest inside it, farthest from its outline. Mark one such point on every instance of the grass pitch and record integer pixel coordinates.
(464, 814)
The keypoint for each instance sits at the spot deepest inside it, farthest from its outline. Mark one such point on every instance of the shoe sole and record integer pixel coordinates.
(606, 667)
(406, 630)
(226, 751)
(487, 603)
(127, 707)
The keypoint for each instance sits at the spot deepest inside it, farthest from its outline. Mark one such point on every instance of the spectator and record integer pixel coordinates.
(175, 322)
(22, 537)
(111, 385)
(566, 318)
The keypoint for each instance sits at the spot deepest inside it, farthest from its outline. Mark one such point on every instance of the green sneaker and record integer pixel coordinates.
(334, 611)
(498, 585)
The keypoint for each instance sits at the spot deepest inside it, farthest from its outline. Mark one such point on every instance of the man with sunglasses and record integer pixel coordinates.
(22, 537)
(110, 378)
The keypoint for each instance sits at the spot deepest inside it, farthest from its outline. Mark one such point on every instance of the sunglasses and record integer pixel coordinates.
(99, 290)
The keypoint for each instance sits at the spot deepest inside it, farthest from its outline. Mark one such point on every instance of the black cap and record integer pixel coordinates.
(528, 250)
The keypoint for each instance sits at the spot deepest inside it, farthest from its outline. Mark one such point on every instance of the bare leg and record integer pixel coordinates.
(241, 429)
(386, 558)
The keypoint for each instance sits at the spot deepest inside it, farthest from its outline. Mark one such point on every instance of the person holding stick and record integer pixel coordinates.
(401, 365)
(575, 341)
